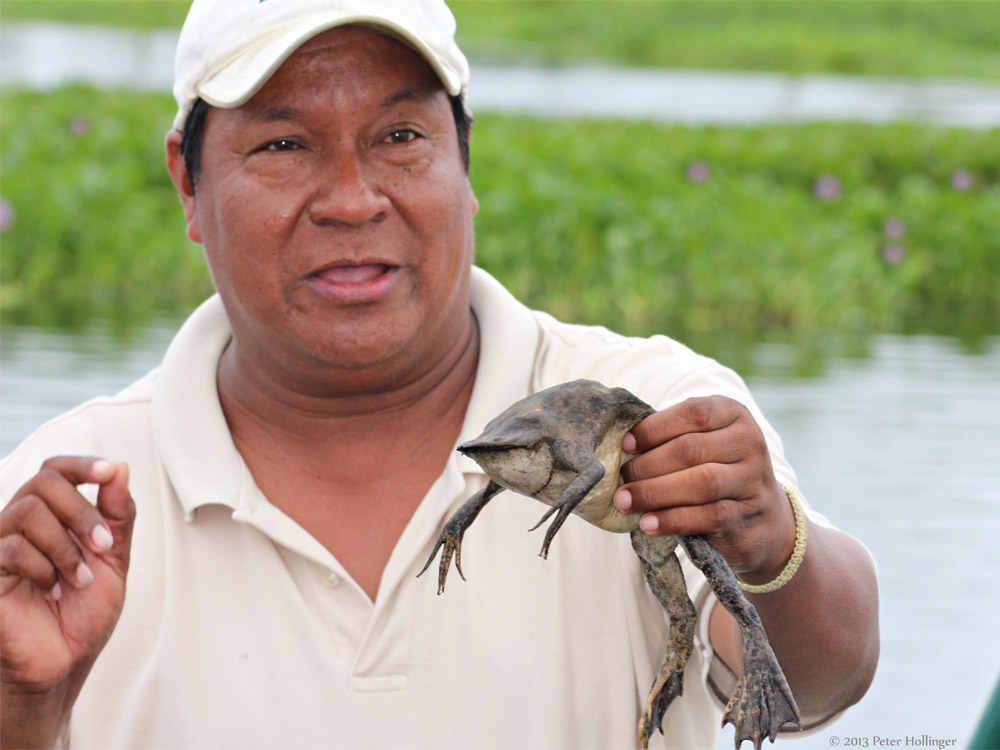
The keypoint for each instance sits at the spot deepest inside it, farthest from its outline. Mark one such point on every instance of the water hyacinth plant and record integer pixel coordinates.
(698, 171)
(827, 187)
(894, 228)
(642, 227)
(962, 180)
(893, 254)
(6, 215)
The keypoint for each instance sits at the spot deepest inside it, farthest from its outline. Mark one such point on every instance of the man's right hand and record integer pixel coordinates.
(63, 564)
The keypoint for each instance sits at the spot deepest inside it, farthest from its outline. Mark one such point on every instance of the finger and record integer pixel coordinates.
(697, 485)
(32, 519)
(21, 560)
(699, 414)
(67, 504)
(723, 446)
(81, 469)
(115, 503)
(710, 519)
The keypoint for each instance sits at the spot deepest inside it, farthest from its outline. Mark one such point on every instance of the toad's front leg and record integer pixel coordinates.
(591, 471)
(450, 541)
(762, 701)
(666, 581)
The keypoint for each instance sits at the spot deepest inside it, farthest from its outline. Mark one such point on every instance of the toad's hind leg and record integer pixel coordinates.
(666, 580)
(762, 701)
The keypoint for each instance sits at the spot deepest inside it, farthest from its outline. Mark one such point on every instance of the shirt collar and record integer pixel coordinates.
(190, 428)
(508, 345)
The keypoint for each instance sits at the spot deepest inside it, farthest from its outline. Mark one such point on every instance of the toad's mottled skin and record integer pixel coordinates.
(563, 446)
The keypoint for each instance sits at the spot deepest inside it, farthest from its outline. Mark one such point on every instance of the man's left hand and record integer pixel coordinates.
(704, 468)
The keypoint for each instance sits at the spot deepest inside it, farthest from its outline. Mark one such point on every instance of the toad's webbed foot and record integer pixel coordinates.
(669, 684)
(762, 702)
(450, 541)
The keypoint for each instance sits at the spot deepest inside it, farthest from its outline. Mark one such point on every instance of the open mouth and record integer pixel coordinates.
(362, 282)
(353, 274)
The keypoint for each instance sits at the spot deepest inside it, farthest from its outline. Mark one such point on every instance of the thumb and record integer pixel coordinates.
(114, 501)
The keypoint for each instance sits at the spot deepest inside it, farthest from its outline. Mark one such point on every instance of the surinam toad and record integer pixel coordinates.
(563, 447)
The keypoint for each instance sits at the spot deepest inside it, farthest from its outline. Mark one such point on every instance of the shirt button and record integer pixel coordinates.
(331, 580)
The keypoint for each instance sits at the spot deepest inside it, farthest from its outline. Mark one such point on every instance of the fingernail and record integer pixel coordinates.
(102, 538)
(56, 593)
(623, 501)
(84, 574)
(101, 467)
(628, 442)
(649, 523)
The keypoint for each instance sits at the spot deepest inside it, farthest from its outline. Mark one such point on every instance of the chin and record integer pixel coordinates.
(359, 349)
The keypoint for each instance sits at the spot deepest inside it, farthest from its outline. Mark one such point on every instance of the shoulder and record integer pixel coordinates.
(658, 369)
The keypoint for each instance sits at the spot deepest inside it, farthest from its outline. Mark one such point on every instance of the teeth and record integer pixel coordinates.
(353, 274)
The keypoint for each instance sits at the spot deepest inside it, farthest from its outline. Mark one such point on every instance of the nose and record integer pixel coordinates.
(347, 193)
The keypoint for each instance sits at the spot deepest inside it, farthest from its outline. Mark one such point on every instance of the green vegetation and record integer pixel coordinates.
(129, 14)
(700, 230)
(97, 229)
(879, 37)
(638, 226)
(875, 37)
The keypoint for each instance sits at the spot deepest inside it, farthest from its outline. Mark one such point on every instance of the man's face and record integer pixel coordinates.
(335, 210)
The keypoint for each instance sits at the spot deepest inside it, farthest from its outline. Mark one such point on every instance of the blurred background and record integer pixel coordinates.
(807, 190)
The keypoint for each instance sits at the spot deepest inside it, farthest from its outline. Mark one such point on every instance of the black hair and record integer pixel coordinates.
(194, 135)
(192, 138)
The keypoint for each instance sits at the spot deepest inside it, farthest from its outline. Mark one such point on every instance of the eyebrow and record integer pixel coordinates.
(409, 94)
(272, 114)
(279, 114)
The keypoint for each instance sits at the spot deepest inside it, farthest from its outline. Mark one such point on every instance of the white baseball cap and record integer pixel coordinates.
(229, 48)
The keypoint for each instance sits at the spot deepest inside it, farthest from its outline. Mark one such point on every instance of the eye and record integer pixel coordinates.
(401, 136)
(282, 144)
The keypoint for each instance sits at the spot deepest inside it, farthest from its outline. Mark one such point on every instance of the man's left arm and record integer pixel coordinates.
(704, 468)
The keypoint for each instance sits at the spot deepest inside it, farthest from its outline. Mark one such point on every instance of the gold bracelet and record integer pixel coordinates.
(797, 552)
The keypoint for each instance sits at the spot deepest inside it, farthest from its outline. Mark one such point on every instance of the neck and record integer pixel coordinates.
(351, 468)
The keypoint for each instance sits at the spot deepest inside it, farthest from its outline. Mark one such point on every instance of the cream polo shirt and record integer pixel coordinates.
(241, 630)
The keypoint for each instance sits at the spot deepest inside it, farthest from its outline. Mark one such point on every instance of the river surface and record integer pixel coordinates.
(901, 449)
(43, 54)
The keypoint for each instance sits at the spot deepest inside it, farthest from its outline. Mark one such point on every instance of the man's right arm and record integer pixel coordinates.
(63, 564)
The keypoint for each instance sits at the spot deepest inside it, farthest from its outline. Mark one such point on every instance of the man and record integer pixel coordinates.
(272, 489)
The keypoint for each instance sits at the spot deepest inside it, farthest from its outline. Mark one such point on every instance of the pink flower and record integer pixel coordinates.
(827, 187)
(7, 215)
(79, 126)
(893, 254)
(698, 171)
(962, 180)
(894, 228)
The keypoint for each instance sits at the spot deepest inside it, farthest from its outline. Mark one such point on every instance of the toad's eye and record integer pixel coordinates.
(401, 136)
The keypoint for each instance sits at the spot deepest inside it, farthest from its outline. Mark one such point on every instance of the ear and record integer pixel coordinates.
(182, 181)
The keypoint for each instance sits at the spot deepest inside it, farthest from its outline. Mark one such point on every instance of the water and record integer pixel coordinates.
(901, 449)
(44, 373)
(44, 54)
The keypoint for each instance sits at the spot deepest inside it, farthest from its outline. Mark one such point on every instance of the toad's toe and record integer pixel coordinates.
(762, 702)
